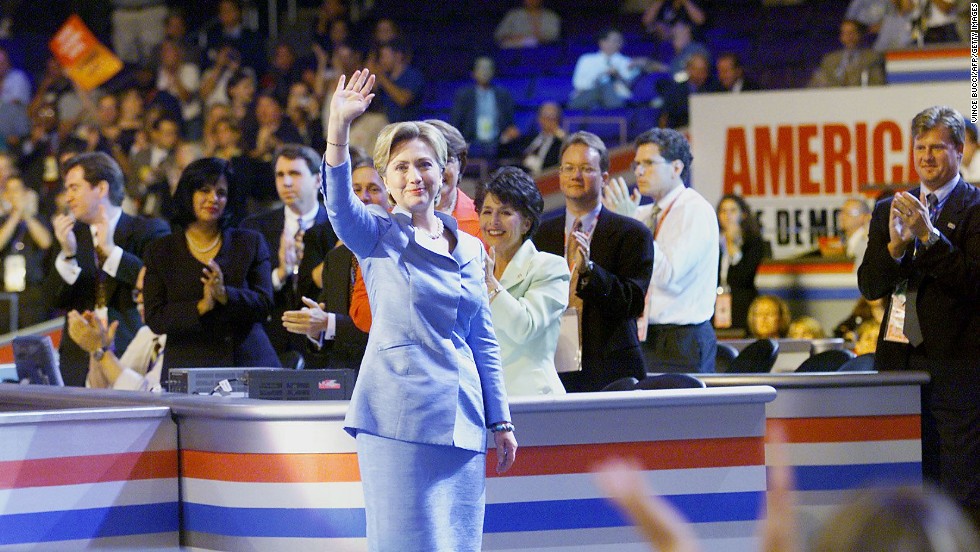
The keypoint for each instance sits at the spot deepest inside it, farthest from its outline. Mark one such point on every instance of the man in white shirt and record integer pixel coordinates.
(602, 79)
(138, 369)
(855, 218)
(681, 299)
(297, 170)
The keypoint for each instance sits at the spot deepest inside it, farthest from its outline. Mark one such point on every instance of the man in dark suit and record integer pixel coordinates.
(924, 256)
(611, 260)
(484, 112)
(329, 272)
(537, 152)
(100, 257)
(731, 74)
(297, 183)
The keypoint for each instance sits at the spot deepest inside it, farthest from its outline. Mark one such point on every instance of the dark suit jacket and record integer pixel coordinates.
(613, 297)
(270, 224)
(463, 115)
(741, 280)
(948, 300)
(132, 234)
(228, 335)
(347, 347)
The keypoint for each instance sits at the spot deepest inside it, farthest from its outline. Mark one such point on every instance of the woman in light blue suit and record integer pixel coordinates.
(528, 289)
(430, 383)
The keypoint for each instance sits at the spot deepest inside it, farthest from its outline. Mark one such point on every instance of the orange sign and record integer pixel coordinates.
(86, 61)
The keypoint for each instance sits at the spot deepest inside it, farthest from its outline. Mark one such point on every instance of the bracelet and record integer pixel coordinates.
(494, 293)
(337, 145)
(502, 426)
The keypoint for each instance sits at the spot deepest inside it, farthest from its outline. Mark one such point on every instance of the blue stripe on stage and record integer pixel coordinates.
(275, 522)
(504, 517)
(92, 523)
(551, 515)
(856, 476)
(962, 75)
(813, 294)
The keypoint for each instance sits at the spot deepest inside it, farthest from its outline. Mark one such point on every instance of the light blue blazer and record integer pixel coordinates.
(527, 317)
(431, 372)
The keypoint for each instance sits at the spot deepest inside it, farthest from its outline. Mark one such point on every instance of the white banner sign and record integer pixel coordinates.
(796, 155)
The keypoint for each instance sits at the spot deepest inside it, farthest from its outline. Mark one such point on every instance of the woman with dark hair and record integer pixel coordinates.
(528, 288)
(208, 285)
(742, 250)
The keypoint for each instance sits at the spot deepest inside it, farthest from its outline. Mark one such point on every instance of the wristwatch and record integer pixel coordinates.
(99, 353)
(933, 238)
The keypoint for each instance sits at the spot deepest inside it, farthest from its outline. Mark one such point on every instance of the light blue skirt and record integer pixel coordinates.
(421, 497)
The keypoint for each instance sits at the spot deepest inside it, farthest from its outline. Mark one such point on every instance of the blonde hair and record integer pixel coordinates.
(808, 327)
(396, 133)
(784, 317)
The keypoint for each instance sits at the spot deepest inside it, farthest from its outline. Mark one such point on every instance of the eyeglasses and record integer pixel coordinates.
(137, 294)
(587, 170)
(648, 164)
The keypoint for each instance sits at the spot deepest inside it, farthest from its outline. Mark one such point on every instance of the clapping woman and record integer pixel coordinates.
(430, 384)
(207, 285)
(528, 289)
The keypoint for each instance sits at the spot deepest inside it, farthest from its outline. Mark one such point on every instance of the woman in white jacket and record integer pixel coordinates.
(528, 288)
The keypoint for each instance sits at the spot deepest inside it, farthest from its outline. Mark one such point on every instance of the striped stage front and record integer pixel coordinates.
(271, 485)
(88, 478)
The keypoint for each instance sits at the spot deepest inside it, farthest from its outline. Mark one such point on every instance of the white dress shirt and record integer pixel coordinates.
(290, 227)
(69, 269)
(685, 259)
(591, 70)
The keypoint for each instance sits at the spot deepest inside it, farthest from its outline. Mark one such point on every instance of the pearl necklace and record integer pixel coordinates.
(196, 249)
(437, 233)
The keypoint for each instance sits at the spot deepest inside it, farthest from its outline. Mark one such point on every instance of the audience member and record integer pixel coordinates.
(970, 165)
(870, 13)
(896, 26)
(328, 13)
(855, 216)
(269, 130)
(662, 15)
(863, 311)
(528, 289)
(303, 110)
(284, 71)
(731, 74)
(484, 112)
(337, 341)
(297, 185)
(853, 65)
(528, 26)
(101, 250)
(25, 239)
(684, 46)
(15, 86)
(676, 325)
(742, 250)
(213, 114)
(149, 164)
(175, 29)
(207, 285)
(768, 317)
(805, 327)
(922, 252)
(610, 257)
(137, 28)
(230, 30)
(538, 152)
(181, 79)
(158, 201)
(241, 94)
(139, 367)
(937, 19)
(215, 79)
(676, 94)
(452, 200)
(866, 340)
(400, 84)
(602, 79)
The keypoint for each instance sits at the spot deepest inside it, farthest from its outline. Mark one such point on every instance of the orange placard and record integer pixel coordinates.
(86, 61)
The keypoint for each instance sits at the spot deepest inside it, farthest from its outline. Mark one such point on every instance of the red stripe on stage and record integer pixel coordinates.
(78, 470)
(271, 468)
(928, 54)
(848, 429)
(652, 455)
(806, 268)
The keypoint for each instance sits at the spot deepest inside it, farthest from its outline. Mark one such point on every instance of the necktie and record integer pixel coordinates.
(571, 249)
(652, 221)
(100, 278)
(912, 328)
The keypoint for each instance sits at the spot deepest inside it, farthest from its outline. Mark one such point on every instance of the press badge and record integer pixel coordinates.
(895, 331)
(14, 273)
(723, 309)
